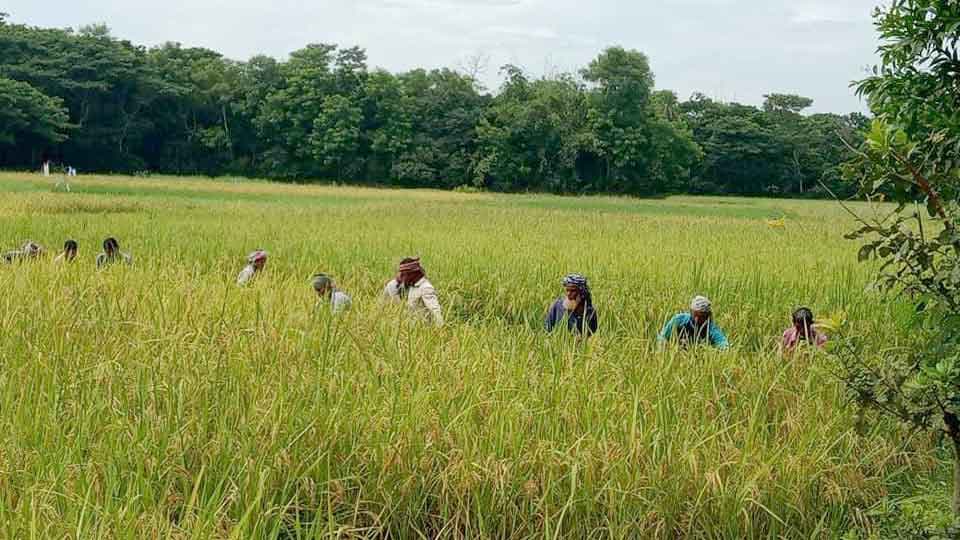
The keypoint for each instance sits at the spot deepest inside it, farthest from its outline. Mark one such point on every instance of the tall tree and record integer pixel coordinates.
(534, 134)
(30, 119)
(194, 114)
(102, 82)
(445, 109)
(741, 154)
(258, 78)
(289, 113)
(785, 104)
(386, 132)
(775, 150)
(792, 136)
(322, 114)
(633, 141)
(623, 83)
(336, 133)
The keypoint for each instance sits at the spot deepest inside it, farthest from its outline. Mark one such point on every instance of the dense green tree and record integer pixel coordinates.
(336, 133)
(741, 154)
(195, 113)
(29, 119)
(287, 118)
(323, 114)
(794, 140)
(785, 104)
(102, 82)
(675, 153)
(534, 134)
(258, 78)
(911, 156)
(666, 105)
(827, 142)
(620, 110)
(775, 150)
(445, 110)
(386, 132)
(633, 140)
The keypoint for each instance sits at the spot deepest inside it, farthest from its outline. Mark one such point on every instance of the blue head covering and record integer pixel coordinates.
(581, 284)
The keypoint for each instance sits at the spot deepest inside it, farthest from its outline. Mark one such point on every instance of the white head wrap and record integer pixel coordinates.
(31, 249)
(701, 304)
(256, 256)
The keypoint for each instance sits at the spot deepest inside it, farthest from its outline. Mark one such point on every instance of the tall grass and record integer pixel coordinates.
(161, 401)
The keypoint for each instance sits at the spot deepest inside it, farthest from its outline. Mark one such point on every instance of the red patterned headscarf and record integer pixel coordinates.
(411, 269)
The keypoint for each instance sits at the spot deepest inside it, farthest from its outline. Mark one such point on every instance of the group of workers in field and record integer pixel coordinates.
(574, 309)
(31, 250)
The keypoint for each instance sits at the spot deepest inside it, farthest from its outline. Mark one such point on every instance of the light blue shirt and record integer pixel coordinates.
(683, 327)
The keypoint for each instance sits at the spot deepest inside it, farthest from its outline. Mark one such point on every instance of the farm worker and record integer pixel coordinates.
(802, 331)
(327, 291)
(412, 287)
(694, 327)
(255, 263)
(576, 305)
(112, 254)
(69, 252)
(30, 250)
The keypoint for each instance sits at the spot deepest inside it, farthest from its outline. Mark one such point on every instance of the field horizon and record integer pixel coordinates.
(162, 400)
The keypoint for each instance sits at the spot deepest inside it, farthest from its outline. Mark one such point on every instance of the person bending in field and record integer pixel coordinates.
(30, 251)
(69, 253)
(576, 306)
(412, 288)
(112, 254)
(694, 327)
(802, 331)
(255, 263)
(327, 291)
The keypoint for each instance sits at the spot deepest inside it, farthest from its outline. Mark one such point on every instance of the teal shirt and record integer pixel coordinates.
(682, 325)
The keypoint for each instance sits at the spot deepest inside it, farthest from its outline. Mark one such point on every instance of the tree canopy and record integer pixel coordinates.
(100, 103)
(910, 157)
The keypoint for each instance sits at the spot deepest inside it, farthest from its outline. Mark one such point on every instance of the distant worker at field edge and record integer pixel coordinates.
(694, 327)
(255, 263)
(576, 305)
(69, 253)
(30, 250)
(327, 291)
(112, 254)
(802, 331)
(412, 287)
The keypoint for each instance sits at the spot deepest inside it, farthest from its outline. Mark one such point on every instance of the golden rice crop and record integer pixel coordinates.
(160, 400)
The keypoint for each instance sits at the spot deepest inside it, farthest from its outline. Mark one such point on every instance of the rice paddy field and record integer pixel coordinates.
(162, 401)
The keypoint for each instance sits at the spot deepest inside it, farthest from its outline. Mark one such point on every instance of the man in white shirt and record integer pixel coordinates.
(255, 263)
(412, 287)
(326, 290)
(112, 254)
(69, 253)
(30, 250)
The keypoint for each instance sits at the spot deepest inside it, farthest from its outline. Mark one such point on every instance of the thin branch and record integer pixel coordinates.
(843, 205)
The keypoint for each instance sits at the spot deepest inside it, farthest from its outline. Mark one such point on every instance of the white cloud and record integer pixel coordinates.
(827, 11)
(733, 49)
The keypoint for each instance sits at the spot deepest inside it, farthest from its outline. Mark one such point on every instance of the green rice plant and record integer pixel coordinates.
(160, 400)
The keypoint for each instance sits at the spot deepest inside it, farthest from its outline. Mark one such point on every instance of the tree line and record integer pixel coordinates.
(103, 104)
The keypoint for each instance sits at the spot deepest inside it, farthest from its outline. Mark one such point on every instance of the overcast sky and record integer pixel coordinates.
(734, 50)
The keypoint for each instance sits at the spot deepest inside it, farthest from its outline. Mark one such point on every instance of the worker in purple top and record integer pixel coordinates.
(802, 331)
